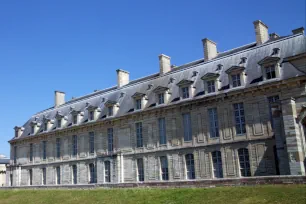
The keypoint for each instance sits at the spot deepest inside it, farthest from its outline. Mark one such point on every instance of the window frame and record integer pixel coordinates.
(190, 167)
(92, 173)
(244, 162)
(185, 92)
(58, 175)
(44, 176)
(270, 71)
(110, 139)
(138, 105)
(74, 174)
(139, 135)
(91, 142)
(236, 80)
(213, 123)
(164, 168)
(162, 131)
(211, 86)
(161, 98)
(107, 171)
(140, 169)
(74, 145)
(187, 127)
(31, 152)
(44, 144)
(58, 147)
(216, 157)
(110, 111)
(239, 116)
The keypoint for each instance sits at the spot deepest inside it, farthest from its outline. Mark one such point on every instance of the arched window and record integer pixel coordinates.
(217, 164)
(92, 173)
(190, 166)
(244, 161)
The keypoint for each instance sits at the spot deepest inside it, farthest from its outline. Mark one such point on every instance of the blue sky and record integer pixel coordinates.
(76, 46)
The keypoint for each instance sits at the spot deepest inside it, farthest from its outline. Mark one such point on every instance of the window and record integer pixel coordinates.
(190, 171)
(59, 123)
(217, 164)
(244, 162)
(236, 80)
(107, 171)
(44, 177)
(270, 72)
(30, 177)
(185, 92)
(75, 174)
(110, 139)
(139, 134)
(91, 115)
(58, 147)
(138, 104)
(74, 145)
(32, 129)
(44, 144)
(91, 142)
(211, 86)
(45, 126)
(11, 179)
(162, 131)
(164, 168)
(31, 152)
(92, 173)
(161, 98)
(140, 169)
(58, 175)
(213, 122)
(75, 119)
(239, 118)
(187, 127)
(110, 110)
(15, 154)
(273, 99)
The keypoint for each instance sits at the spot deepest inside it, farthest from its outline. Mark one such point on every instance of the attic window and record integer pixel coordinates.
(110, 110)
(91, 115)
(45, 126)
(59, 123)
(138, 104)
(75, 119)
(275, 51)
(32, 129)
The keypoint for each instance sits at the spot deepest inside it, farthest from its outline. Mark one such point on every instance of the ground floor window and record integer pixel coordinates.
(164, 168)
(217, 164)
(44, 178)
(30, 177)
(11, 179)
(58, 175)
(107, 171)
(74, 174)
(190, 171)
(92, 173)
(244, 162)
(140, 169)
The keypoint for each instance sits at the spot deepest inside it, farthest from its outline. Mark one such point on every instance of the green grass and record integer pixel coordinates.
(250, 194)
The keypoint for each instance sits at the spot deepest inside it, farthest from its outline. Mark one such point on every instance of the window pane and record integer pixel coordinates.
(58, 175)
(190, 166)
(185, 92)
(107, 171)
(164, 168)
(213, 121)
(91, 142)
(74, 145)
(139, 134)
(162, 131)
(74, 173)
(110, 139)
(217, 164)
(140, 170)
(187, 127)
(161, 98)
(211, 86)
(58, 147)
(244, 161)
(239, 118)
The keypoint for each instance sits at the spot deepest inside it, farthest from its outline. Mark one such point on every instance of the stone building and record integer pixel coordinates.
(3, 163)
(232, 114)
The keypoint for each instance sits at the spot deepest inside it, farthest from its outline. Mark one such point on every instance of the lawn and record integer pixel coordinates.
(250, 194)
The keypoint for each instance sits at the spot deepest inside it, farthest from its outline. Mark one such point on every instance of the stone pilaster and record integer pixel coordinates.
(292, 136)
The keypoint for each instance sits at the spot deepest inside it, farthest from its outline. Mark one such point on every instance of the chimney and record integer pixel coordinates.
(164, 64)
(210, 49)
(298, 30)
(261, 31)
(59, 98)
(123, 77)
(274, 36)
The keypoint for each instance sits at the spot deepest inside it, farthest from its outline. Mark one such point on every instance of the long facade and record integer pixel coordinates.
(232, 114)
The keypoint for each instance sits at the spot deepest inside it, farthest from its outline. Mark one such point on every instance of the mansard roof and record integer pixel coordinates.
(289, 46)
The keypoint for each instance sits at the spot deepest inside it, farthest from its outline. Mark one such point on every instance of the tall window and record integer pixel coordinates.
(139, 134)
(31, 152)
(58, 175)
(213, 122)
(211, 86)
(270, 72)
(187, 127)
(161, 98)
(236, 80)
(217, 164)
(45, 126)
(107, 171)
(75, 174)
(59, 123)
(58, 147)
(239, 118)
(92, 173)
(91, 115)
(164, 168)
(15, 154)
(110, 111)
(190, 166)
(244, 162)
(44, 176)
(140, 169)
(91, 142)
(44, 144)
(185, 92)
(11, 179)
(74, 145)
(162, 131)
(75, 119)
(110, 139)
(138, 104)
(30, 177)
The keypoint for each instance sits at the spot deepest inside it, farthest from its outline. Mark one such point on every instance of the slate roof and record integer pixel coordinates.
(288, 45)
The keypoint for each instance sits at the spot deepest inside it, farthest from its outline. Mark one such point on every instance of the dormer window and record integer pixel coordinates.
(75, 119)
(138, 104)
(186, 88)
(211, 86)
(32, 129)
(91, 115)
(236, 75)
(76, 116)
(161, 98)
(140, 100)
(59, 123)
(236, 80)
(93, 112)
(60, 120)
(161, 94)
(45, 126)
(110, 111)
(270, 67)
(185, 92)
(211, 82)
(112, 108)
